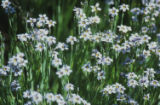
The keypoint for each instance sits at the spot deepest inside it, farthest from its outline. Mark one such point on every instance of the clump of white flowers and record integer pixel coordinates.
(64, 71)
(124, 29)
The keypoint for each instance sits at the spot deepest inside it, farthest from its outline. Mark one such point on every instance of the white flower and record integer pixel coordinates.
(95, 8)
(146, 53)
(105, 60)
(155, 83)
(94, 19)
(84, 23)
(132, 83)
(69, 87)
(40, 47)
(144, 82)
(75, 99)
(85, 36)
(117, 47)
(146, 96)
(96, 54)
(108, 90)
(36, 97)
(50, 40)
(50, 97)
(59, 99)
(113, 11)
(119, 88)
(27, 94)
(43, 18)
(18, 60)
(62, 46)
(71, 40)
(124, 7)
(131, 75)
(56, 62)
(87, 67)
(50, 23)
(124, 29)
(121, 97)
(23, 37)
(101, 75)
(31, 21)
(64, 71)
(5, 3)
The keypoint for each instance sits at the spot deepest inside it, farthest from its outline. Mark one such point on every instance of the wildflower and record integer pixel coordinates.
(146, 53)
(39, 24)
(50, 23)
(96, 68)
(124, 7)
(105, 60)
(136, 11)
(27, 94)
(117, 47)
(144, 29)
(56, 62)
(108, 90)
(155, 83)
(113, 11)
(132, 83)
(54, 54)
(4, 70)
(71, 40)
(131, 75)
(5, 3)
(96, 54)
(59, 98)
(94, 19)
(15, 85)
(85, 102)
(40, 47)
(84, 23)
(28, 103)
(43, 18)
(95, 8)
(62, 46)
(150, 72)
(146, 96)
(69, 87)
(101, 75)
(85, 36)
(144, 82)
(32, 21)
(17, 71)
(64, 71)
(75, 99)
(50, 40)
(50, 97)
(132, 102)
(18, 61)
(23, 37)
(152, 46)
(145, 39)
(119, 88)
(36, 97)
(124, 29)
(121, 97)
(87, 67)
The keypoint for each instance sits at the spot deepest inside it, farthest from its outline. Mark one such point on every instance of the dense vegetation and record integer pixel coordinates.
(80, 52)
